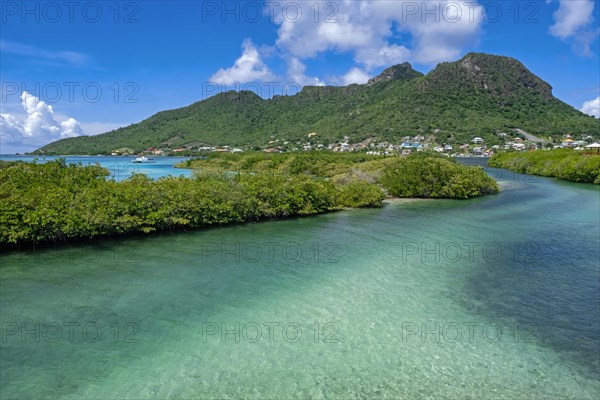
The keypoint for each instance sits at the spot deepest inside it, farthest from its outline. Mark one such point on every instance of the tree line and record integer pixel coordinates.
(567, 164)
(59, 202)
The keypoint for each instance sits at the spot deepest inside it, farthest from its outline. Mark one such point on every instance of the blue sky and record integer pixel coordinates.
(72, 68)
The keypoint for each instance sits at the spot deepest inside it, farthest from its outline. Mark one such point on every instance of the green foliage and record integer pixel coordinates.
(360, 193)
(478, 95)
(59, 202)
(320, 164)
(568, 164)
(436, 178)
(56, 201)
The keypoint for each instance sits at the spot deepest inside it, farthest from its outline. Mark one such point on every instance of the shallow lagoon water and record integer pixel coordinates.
(120, 168)
(496, 297)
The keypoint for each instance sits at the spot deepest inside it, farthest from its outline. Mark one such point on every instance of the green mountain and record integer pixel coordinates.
(480, 94)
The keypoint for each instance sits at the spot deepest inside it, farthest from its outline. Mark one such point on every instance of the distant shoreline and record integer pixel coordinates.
(166, 156)
(409, 200)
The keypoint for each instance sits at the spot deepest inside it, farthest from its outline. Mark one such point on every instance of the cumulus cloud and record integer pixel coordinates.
(248, 68)
(382, 56)
(375, 33)
(592, 107)
(39, 127)
(573, 20)
(11, 129)
(367, 29)
(571, 16)
(355, 75)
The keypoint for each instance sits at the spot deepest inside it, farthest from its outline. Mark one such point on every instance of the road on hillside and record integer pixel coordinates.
(529, 136)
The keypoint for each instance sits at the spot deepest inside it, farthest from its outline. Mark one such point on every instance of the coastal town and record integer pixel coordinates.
(475, 147)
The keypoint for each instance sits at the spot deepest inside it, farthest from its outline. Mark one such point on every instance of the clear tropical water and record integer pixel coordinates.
(120, 167)
(494, 298)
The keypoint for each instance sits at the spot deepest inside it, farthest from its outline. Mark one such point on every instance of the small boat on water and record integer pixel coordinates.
(143, 159)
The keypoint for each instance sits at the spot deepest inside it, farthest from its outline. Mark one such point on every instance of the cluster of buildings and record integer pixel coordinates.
(184, 149)
(476, 147)
(221, 149)
(408, 145)
(569, 142)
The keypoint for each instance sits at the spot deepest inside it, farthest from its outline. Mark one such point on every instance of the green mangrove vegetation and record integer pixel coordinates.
(59, 202)
(421, 175)
(568, 164)
(435, 178)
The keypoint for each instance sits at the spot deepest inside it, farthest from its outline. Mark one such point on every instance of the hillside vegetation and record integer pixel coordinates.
(478, 95)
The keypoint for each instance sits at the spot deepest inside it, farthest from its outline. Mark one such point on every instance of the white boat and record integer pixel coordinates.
(143, 159)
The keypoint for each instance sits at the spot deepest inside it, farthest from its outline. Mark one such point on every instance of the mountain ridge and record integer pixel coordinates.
(480, 94)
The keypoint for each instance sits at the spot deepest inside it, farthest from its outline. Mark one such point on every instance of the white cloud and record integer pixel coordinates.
(11, 129)
(571, 16)
(355, 75)
(366, 29)
(592, 107)
(39, 127)
(70, 128)
(248, 68)
(440, 30)
(375, 33)
(573, 20)
(382, 56)
(65, 57)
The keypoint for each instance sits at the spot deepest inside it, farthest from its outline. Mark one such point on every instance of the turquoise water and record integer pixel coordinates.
(120, 167)
(494, 298)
